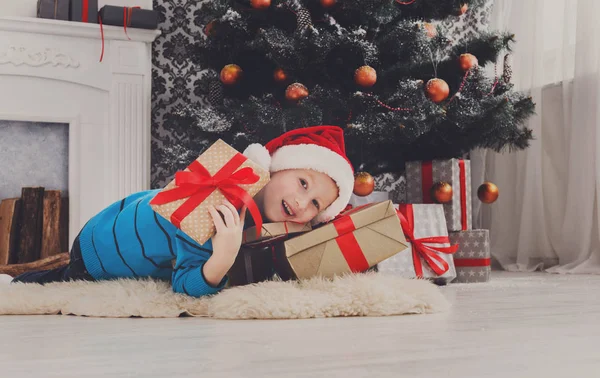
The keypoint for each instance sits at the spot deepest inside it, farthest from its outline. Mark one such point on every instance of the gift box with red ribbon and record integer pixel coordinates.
(421, 176)
(129, 17)
(84, 11)
(355, 241)
(430, 254)
(473, 259)
(219, 173)
(53, 9)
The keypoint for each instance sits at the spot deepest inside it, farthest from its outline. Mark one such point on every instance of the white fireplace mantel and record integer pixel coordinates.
(50, 72)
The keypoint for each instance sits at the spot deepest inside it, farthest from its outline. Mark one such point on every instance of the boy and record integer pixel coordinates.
(311, 180)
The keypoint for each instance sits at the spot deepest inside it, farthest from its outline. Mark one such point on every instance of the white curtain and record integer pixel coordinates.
(547, 213)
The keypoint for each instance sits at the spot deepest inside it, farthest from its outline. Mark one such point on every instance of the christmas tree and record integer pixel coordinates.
(380, 69)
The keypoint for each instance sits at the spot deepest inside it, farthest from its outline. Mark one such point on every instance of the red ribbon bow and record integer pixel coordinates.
(420, 247)
(198, 184)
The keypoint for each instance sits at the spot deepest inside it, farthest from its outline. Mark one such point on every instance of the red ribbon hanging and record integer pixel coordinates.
(463, 194)
(349, 245)
(472, 263)
(198, 184)
(426, 180)
(420, 247)
(127, 11)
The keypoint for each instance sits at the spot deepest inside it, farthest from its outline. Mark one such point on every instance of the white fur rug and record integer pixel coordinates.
(371, 294)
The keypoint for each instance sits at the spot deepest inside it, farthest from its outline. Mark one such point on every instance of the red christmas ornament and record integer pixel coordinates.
(488, 192)
(260, 4)
(430, 29)
(365, 76)
(296, 92)
(441, 192)
(209, 28)
(231, 74)
(437, 90)
(364, 184)
(468, 61)
(463, 9)
(328, 3)
(280, 76)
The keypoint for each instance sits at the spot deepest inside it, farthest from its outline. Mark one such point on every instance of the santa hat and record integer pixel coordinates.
(320, 148)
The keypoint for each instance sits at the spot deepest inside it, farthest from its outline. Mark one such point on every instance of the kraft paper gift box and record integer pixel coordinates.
(273, 232)
(53, 9)
(353, 242)
(430, 253)
(473, 258)
(422, 175)
(219, 173)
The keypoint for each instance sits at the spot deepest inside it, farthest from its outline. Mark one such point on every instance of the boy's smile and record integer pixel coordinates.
(296, 195)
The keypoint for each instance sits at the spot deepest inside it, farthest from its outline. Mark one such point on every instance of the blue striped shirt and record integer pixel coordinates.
(130, 240)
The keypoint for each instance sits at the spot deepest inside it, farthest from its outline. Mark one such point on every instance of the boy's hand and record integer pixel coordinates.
(226, 242)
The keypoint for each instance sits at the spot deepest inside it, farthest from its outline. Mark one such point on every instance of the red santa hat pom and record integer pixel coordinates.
(320, 148)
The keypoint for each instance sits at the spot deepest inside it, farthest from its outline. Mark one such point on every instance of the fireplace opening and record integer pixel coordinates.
(34, 198)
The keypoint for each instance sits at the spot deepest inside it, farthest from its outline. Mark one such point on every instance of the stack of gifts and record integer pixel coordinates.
(355, 241)
(106, 12)
(472, 257)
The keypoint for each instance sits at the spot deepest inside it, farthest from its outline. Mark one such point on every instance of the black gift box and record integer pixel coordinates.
(135, 17)
(252, 265)
(53, 9)
(84, 11)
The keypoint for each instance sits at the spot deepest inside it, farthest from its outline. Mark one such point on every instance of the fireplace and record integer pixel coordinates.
(50, 72)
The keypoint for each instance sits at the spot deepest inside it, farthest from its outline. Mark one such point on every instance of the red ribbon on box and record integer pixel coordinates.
(127, 11)
(427, 183)
(198, 184)
(349, 245)
(85, 10)
(420, 247)
(472, 263)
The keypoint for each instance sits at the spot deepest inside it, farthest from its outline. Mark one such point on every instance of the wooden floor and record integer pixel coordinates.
(518, 325)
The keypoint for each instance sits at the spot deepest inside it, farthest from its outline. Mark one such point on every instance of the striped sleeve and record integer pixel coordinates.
(187, 273)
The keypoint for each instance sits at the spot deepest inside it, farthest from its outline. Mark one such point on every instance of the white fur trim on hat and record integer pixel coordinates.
(320, 159)
(258, 154)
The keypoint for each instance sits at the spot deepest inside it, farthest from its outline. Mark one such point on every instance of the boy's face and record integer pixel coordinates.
(297, 195)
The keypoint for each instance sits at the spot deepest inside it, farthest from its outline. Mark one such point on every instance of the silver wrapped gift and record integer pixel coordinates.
(421, 176)
(473, 258)
(428, 222)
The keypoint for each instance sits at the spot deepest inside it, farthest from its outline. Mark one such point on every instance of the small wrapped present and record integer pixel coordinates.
(473, 258)
(422, 175)
(219, 173)
(53, 9)
(84, 11)
(129, 17)
(374, 197)
(353, 242)
(430, 252)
